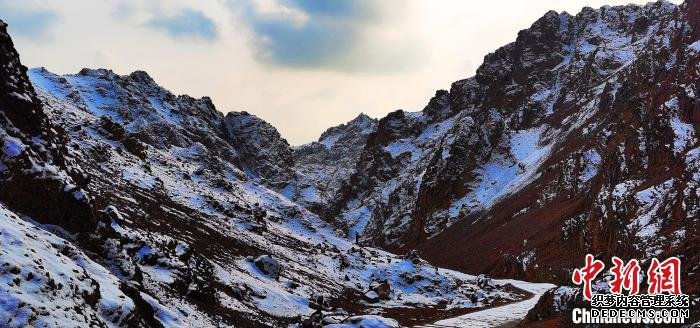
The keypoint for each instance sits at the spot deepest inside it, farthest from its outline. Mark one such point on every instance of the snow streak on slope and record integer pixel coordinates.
(505, 175)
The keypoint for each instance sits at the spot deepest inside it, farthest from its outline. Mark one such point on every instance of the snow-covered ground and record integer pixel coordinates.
(46, 282)
(501, 315)
(191, 201)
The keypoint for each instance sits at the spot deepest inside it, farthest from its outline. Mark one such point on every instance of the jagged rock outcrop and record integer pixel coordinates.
(321, 167)
(554, 304)
(266, 154)
(35, 177)
(386, 173)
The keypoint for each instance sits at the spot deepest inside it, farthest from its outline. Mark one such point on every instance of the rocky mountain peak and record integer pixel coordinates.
(19, 102)
(578, 137)
(142, 77)
(363, 120)
(264, 153)
(360, 126)
(322, 167)
(101, 73)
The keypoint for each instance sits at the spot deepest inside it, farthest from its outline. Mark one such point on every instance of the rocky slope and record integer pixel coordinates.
(322, 167)
(266, 154)
(613, 168)
(46, 280)
(579, 137)
(34, 173)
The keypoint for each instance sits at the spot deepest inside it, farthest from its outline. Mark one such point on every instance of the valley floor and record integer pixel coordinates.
(501, 316)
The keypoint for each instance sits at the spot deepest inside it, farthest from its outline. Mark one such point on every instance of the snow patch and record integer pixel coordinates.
(695, 46)
(403, 146)
(12, 147)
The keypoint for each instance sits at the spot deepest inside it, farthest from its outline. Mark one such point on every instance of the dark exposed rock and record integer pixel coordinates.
(35, 178)
(556, 302)
(269, 266)
(382, 288)
(371, 297)
(413, 256)
(266, 154)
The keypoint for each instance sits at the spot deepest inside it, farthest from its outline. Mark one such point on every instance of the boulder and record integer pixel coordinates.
(371, 297)
(483, 281)
(413, 256)
(268, 266)
(382, 288)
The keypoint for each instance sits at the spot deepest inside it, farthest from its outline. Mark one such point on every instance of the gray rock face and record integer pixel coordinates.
(320, 168)
(265, 154)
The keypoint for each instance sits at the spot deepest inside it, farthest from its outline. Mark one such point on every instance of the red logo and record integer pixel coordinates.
(662, 277)
(665, 276)
(625, 276)
(587, 274)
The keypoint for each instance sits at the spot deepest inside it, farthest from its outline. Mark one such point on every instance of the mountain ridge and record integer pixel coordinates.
(578, 137)
(183, 235)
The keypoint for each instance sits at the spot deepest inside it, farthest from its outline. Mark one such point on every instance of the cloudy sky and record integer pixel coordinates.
(302, 65)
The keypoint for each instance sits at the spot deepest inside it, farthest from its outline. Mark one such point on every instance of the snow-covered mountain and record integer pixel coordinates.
(579, 137)
(322, 167)
(122, 204)
(190, 228)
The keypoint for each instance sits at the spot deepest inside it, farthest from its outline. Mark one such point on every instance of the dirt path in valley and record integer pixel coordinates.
(500, 316)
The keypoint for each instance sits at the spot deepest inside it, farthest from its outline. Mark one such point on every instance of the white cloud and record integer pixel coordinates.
(274, 10)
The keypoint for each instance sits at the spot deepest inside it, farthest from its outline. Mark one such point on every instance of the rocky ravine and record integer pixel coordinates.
(579, 137)
(125, 205)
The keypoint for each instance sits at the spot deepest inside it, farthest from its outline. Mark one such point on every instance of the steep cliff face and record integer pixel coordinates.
(266, 154)
(578, 137)
(620, 175)
(35, 177)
